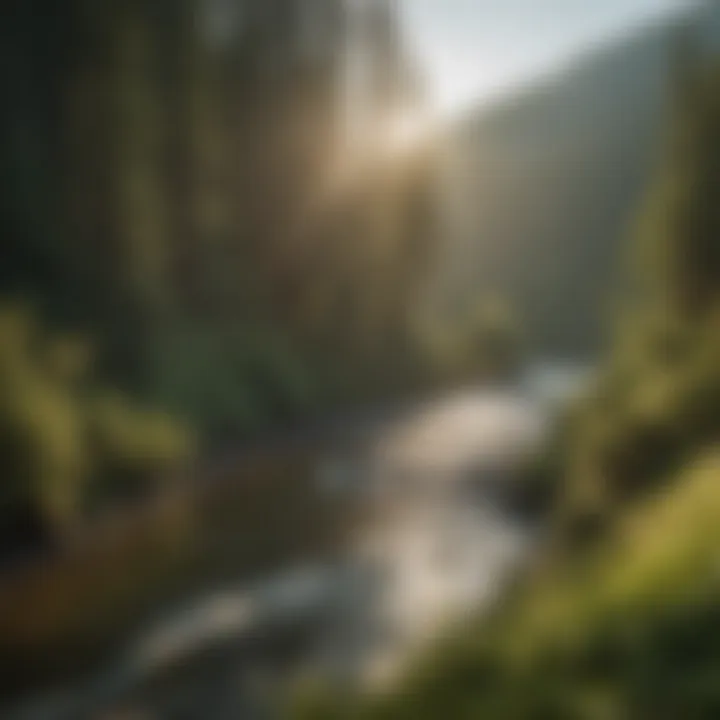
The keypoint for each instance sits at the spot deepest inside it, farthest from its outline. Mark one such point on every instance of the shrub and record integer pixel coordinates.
(61, 438)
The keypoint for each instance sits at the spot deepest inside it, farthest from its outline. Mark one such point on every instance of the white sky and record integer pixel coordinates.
(473, 49)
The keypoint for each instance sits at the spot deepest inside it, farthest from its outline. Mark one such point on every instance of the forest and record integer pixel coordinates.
(184, 224)
(240, 278)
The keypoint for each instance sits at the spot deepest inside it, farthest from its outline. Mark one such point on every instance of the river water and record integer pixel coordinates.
(438, 542)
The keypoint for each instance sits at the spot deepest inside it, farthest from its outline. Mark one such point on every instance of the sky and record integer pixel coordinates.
(476, 49)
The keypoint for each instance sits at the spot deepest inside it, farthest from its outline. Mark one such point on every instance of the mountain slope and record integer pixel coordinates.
(540, 190)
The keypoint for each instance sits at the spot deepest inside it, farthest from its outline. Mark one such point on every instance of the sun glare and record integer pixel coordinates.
(405, 132)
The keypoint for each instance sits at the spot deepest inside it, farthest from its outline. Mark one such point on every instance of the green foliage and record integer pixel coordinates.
(486, 345)
(538, 487)
(658, 399)
(132, 447)
(232, 382)
(44, 455)
(494, 335)
(61, 438)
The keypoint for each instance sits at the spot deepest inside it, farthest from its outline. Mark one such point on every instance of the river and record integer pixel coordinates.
(438, 542)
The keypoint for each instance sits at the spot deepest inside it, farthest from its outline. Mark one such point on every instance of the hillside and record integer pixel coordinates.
(540, 189)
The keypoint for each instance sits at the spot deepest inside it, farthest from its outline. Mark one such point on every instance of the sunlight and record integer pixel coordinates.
(406, 132)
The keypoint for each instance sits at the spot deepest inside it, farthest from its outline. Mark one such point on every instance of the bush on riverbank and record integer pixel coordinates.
(631, 632)
(66, 443)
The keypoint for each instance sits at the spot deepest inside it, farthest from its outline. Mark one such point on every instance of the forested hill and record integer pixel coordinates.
(543, 186)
